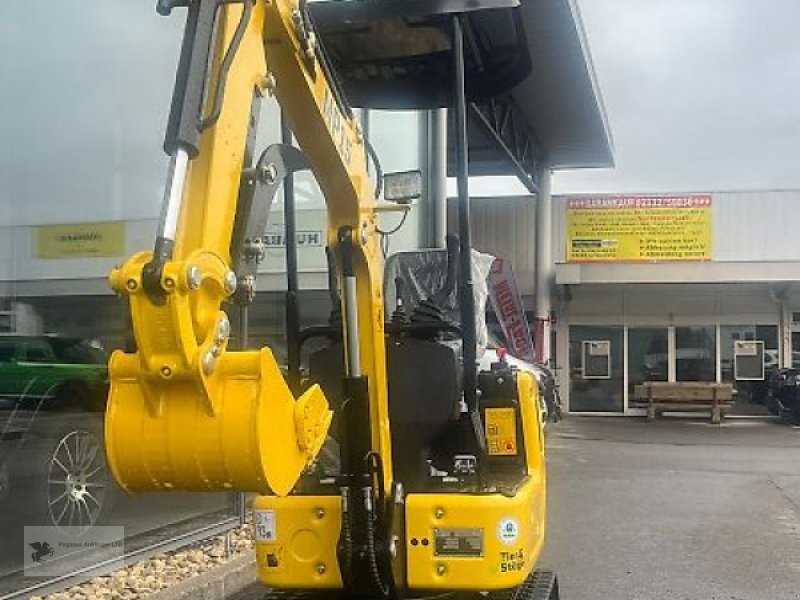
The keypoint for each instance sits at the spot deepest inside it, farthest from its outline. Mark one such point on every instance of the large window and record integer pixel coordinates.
(86, 93)
(670, 353)
(83, 143)
(596, 369)
(796, 349)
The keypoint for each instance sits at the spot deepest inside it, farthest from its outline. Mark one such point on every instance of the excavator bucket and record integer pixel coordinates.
(255, 438)
(186, 414)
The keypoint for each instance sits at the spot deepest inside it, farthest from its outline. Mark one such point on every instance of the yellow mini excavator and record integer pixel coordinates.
(393, 467)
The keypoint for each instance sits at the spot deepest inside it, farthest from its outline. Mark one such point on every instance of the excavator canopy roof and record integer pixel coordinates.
(395, 54)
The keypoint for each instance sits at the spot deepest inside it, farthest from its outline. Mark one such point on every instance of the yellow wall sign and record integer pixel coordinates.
(79, 240)
(639, 229)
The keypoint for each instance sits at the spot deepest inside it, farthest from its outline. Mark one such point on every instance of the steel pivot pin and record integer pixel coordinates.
(230, 282)
(193, 277)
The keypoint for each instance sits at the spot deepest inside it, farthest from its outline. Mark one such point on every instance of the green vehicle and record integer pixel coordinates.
(52, 396)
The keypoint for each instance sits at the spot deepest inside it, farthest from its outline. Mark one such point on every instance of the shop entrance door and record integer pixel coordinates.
(648, 356)
(748, 353)
(696, 353)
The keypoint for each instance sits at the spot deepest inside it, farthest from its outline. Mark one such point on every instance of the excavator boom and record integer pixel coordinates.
(185, 412)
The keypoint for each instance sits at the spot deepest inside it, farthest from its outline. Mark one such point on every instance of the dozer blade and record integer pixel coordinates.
(244, 432)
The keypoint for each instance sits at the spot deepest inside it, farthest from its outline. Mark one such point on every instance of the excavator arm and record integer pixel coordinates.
(185, 412)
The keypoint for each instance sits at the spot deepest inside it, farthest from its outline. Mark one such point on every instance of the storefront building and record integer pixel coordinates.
(668, 288)
(654, 287)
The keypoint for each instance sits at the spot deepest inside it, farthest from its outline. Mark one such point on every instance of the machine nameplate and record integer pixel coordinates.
(458, 542)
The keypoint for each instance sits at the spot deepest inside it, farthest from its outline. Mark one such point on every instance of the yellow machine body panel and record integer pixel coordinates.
(453, 541)
(532, 427)
(483, 541)
(474, 542)
(296, 539)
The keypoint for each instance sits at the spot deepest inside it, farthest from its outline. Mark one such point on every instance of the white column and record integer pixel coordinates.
(625, 399)
(437, 132)
(545, 268)
(781, 300)
(785, 331)
(672, 369)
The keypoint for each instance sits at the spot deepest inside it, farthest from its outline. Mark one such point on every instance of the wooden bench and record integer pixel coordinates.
(658, 397)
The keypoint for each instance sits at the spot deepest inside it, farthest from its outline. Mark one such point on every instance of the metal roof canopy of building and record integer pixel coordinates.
(559, 103)
(534, 101)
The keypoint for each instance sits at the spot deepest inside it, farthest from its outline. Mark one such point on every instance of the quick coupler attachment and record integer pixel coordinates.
(184, 413)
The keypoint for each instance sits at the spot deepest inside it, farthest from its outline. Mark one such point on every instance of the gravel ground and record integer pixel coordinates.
(161, 571)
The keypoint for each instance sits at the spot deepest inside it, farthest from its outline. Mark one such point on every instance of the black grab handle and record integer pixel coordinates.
(441, 296)
(164, 7)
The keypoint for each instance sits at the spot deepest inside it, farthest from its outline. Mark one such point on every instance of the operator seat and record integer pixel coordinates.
(421, 409)
(424, 411)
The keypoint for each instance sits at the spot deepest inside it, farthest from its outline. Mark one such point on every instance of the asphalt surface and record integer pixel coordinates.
(674, 510)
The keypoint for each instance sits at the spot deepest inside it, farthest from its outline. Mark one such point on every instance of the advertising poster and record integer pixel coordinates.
(639, 229)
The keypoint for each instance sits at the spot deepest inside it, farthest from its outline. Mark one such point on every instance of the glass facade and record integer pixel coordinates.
(82, 138)
(695, 353)
(795, 354)
(86, 94)
(704, 353)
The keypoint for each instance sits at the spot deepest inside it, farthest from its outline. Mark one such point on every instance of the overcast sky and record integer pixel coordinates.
(83, 143)
(700, 94)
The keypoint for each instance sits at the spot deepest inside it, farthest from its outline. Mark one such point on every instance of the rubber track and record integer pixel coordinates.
(540, 585)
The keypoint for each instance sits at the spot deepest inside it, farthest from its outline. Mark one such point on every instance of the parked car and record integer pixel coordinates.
(783, 393)
(52, 397)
